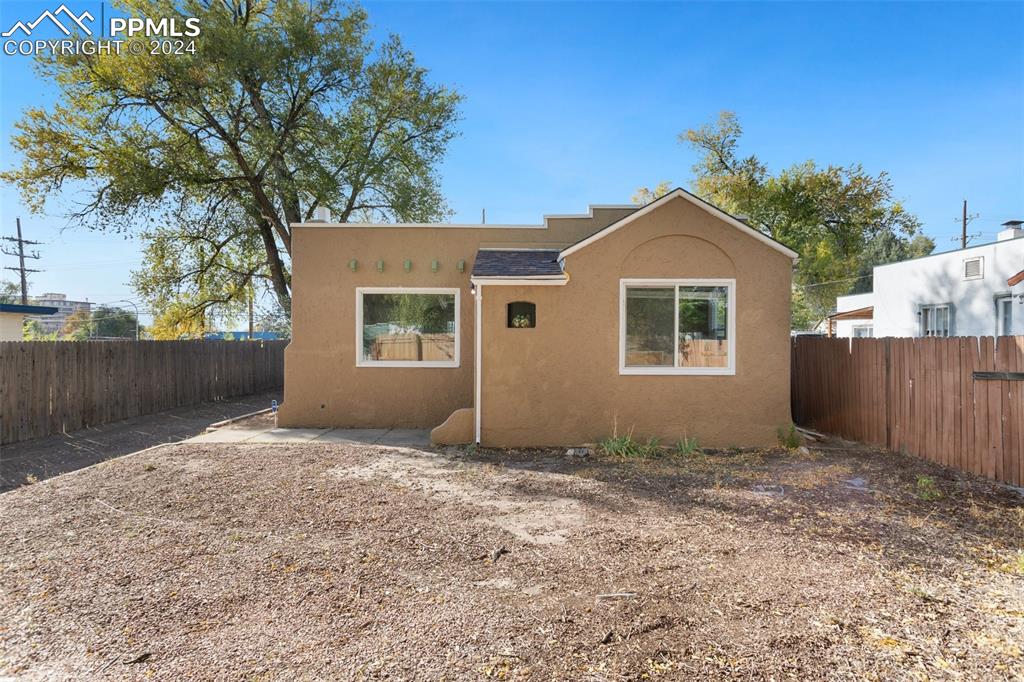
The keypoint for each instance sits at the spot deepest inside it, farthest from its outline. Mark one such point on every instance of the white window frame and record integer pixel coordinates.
(1004, 300)
(729, 370)
(362, 362)
(859, 327)
(981, 268)
(933, 308)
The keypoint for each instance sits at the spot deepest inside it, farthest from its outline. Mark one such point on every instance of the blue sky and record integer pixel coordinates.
(569, 104)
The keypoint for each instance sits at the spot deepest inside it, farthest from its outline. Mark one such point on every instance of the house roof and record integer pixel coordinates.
(1016, 279)
(27, 309)
(858, 314)
(517, 263)
(680, 193)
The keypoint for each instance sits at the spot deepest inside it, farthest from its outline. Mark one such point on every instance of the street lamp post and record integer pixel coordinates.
(132, 304)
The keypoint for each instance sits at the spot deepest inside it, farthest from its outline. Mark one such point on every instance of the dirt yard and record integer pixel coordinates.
(268, 562)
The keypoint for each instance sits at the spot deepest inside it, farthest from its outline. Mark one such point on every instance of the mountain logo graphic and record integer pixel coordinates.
(79, 21)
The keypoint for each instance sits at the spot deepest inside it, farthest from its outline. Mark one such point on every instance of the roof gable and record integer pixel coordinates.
(680, 193)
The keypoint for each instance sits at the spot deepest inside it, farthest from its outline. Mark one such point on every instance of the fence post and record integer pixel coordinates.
(888, 393)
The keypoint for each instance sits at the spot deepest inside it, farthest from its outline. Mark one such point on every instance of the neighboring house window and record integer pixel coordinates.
(1004, 316)
(522, 315)
(935, 320)
(679, 326)
(407, 327)
(863, 331)
(974, 268)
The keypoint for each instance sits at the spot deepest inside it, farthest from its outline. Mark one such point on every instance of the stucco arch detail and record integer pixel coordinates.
(670, 255)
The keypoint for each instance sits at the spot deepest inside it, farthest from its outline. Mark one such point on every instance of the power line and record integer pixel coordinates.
(20, 253)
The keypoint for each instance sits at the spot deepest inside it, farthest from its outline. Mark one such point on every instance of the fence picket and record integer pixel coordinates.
(50, 387)
(918, 396)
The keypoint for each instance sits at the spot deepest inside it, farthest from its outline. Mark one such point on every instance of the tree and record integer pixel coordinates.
(77, 326)
(831, 216)
(31, 330)
(9, 292)
(286, 106)
(274, 319)
(112, 322)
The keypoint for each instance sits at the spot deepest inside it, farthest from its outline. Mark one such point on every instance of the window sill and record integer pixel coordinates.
(677, 371)
(408, 363)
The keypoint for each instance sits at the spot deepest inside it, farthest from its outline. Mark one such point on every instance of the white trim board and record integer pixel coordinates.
(477, 359)
(679, 193)
(431, 226)
(520, 281)
(361, 362)
(729, 370)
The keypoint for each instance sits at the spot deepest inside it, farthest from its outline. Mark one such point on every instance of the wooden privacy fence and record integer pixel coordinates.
(62, 386)
(957, 401)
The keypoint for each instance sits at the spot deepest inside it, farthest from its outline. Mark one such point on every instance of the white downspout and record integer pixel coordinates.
(477, 369)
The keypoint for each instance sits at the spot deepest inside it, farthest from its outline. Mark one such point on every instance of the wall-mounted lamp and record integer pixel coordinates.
(434, 266)
(380, 266)
(353, 264)
(472, 288)
(407, 265)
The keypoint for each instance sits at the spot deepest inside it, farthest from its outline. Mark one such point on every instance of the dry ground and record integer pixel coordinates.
(361, 562)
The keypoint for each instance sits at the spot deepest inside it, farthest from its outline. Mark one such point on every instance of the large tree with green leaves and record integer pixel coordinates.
(841, 220)
(285, 106)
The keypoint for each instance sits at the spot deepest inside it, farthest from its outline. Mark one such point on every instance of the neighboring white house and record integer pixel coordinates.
(12, 318)
(959, 293)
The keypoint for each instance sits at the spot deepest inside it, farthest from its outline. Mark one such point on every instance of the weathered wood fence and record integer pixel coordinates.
(956, 401)
(62, 386)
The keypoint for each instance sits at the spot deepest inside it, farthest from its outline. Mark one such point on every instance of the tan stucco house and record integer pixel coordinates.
(669, 320)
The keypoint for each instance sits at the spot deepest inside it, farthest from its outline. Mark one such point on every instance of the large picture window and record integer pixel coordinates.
(407, 327)
(677, 326)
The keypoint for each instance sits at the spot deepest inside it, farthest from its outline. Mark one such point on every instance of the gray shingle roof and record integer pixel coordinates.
(511, 263)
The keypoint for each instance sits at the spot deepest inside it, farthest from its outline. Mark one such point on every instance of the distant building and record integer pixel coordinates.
(967, 292)
(12, 318)
(54, 323)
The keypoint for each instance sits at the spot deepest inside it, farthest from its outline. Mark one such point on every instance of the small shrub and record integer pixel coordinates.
(31, 479)
(626, 446)
(149, 467)
(686, 446)
(927, 490)
(789, 438)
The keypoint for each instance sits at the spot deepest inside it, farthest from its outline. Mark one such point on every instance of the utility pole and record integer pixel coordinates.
(20, 253)
(963, 228)
(964, 221)
(251, 326)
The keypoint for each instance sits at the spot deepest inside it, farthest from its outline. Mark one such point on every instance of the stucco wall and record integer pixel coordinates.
(559, 383)
(323, 386)
(11, 326)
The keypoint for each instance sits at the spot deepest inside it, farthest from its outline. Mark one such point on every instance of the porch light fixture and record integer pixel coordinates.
(353, 264)
(461, 266)
(380, 266)
(407, 265)
(434, 266)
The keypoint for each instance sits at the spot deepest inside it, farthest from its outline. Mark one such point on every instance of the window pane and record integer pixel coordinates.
(703, 321)
(649, 320)
(926, 329)
(942, 321)
(409, 327)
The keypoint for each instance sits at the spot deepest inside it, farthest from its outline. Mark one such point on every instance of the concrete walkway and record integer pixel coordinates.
(40, 458)
(408, 438)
